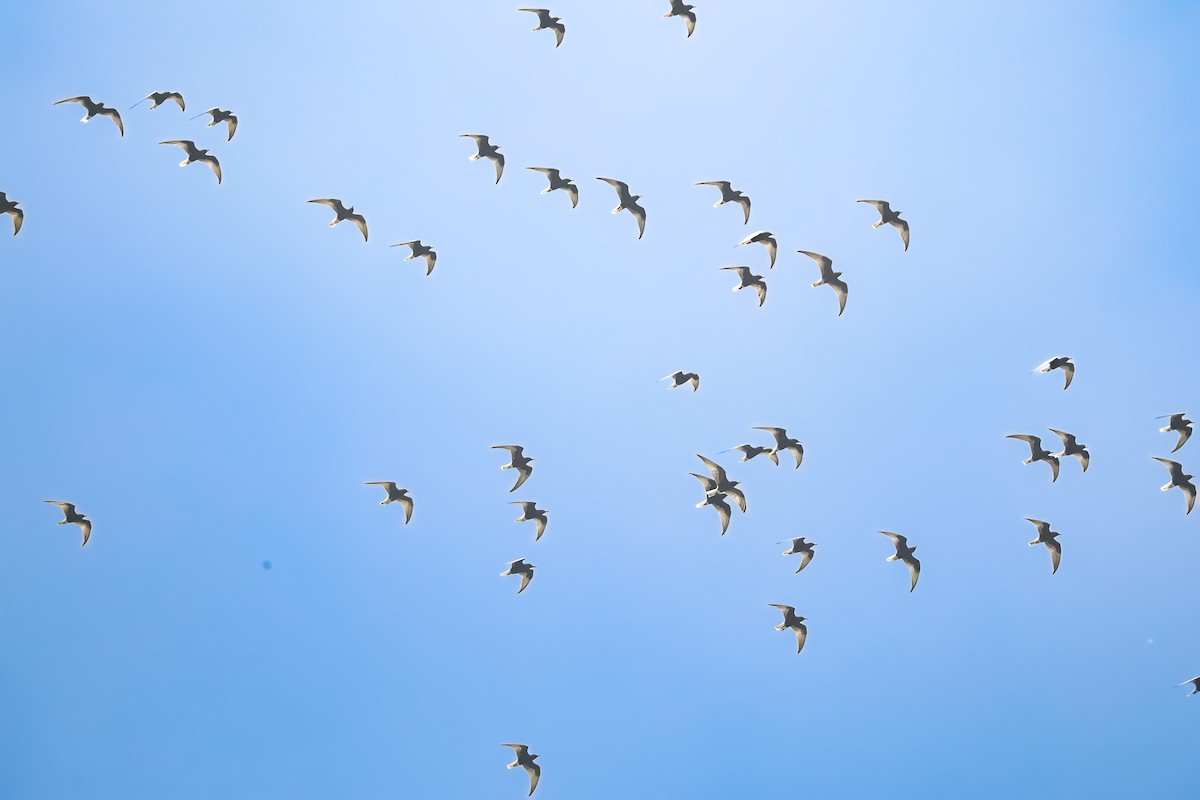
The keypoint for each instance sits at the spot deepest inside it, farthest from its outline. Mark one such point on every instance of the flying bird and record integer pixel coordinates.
(1179, 480)
(218, 116)
(1059, 362)
(747, 279)
(1072, 448)
(195, 154)
(722, 484)
(420, 251)
(803, 549)
(1048, 538)
(518, 461)
(830, 278)
(717, 501)
(784, 442)
(1177, 423)
(70, 515)
(557, 181)
(766, 239)
(18, 216)
(889, 217)
(749, 451)
(526, 759)
(395, 495)
(547, 22)
(680, 378)
(485, 149)
(628, 202)
(95, 108)
(519, 567)
(161, 97)
(730, 195)
(1195, 683)
(905, 553)
(791, 620)
(1037, 453)
(530, 511)
(344, 214)
(682, 9)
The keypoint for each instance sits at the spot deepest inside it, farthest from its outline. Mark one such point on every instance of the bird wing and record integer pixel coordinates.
(68, 508)
(1068, 439)
(407, 504)
(332, 202)
(572, 190)
(430, 262)
(739, 497)
(914, 569)
(639, 214)
(896, 538)
(116, 117)
(560, 31)
(744, 202)
(801, 635)
(499, 159)
(535, 775)
(1042, 526)
(389, 485)
(882, 206)
(212, 162)
(743, 272)
(761, 288)
(1055, 554)
(718, 472)
(1069, 369)
(231, 122)
(1084, 457)
(178, 98)
(18, 217)
(83, 100)
(1054, 467)
(522, 749)
(526, 507)
(526, 577)
(823, 262)
(409, 245)
(540, 521)
(620, 186)
(86, 526)
(361, 222)
(523, 474)
(1184, 433)
(902, 226)
(842, 290)
(695, 381)
(709, 484)
(1034, 442)
(549, 172)
(690, 18)
(805, 557)
(783, 608)
(723, 511)
(1189, 491)
(186, 144)
(724, 186)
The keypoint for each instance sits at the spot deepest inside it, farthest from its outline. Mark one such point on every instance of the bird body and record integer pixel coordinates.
(803, 549)
(518, 461)
(1037, 452)
(830, 278)
(767, 240)
(1177, 423)
(195, 154)
(530, 511)
(10, 207)
(1048, 538)
(519, 567)
(680, 378)
(344, 214)
(682, 9)
(420, 251)
(485, 149)
(557, 181)
(905, 553)
(784, 442)
(94, 108)
(889, 217)
(525, 759)
(1179, 481)
(730, 195)
(1059, 362)
(71, 516)
(395, 495)
(628, 202)
(547, 22)
(747, 279)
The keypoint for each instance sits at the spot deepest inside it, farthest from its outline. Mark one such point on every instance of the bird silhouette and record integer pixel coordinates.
(557, 181)
(682, 9)
(518, 461)
(680, 378)
(830, 278)
(485, 149)
(722, 484)
(803, 549)
(10, 207)
(791, 620)
(1177, 423)
(93, 109)
(1072, 448)
(1179, 481)
(784, 442)
(1048, 538)
(344, 214)
(70, 515)
(1037, 453)
(749, 451)
(628, 202)
(395, 495)
(547, 22)
(730, 195)
(1059, 362)
(1195, 683)
(195, 154)
(420, 251)
(767, 240)
(889, 217)
(519, 567)
(905, 553)
(717, 501)
(159, 98)
(526, 759)
(220, 115)
(530, 511)
(747, 279)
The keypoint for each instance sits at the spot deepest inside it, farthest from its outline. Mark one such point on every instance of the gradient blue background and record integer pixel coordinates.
(211, 373)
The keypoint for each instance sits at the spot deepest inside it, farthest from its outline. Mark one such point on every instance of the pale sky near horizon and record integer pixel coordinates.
(211, 373)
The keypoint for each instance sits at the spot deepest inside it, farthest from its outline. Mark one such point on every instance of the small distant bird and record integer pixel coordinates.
(70, 515)
(547, 22)
(722, 483)
(395, 495)
(749, 451)
(420, 251)
(526, 759)
(557, 181)
(1179, 480)
(791, 620)
(680, 378)
(803, 549)
(344, 214)
(530, 511)
(161, 97)
(95, 108)
(519, 567)
(486, 149)
(1037, 453)
(1195, 682)
(195, 154)
(717, 501)
(682, 9)
(766, 239)
(730, 195)
(830, 278)
(889, 217)
(18, 216)
(218, 116)
(518, 461)
(1059, 362)
(1072, 448)
(784, 442)
(1048, 538)
(747, 279)
(628, 202)
(1177, 423)
(905, 553)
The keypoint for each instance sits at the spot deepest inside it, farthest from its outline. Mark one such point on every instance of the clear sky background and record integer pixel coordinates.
(211, 373)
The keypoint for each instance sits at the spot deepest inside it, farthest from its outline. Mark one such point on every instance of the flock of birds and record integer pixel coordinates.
(719, 489)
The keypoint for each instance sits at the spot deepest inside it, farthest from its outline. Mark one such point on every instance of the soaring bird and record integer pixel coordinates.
(195, 154)
(519, 567)
(70, 515)
(730, 195)
(905, 553)
(1037, 453)
(159, 98)
(803, 549)
(420, 251)
(680, 378)
(749, 451)
(766, 239)
(395, 495)
(18, 216)
(485, 149)
(830, 278)
(1072, 448)
(526, 759)
(545, 21)
(557, 181)
(344, 214)
(1048, 538)
(747, 279)
(1059, 362)
(889, 217)
(791, 620)
(518, 461)
(220, 115)
(628, 202)
(95, 108)
(1195, 683)
(1179, 480)
(722, 484)
(682, 9)
(717, 501)
(784, 442)
(1177, 423)
(530, 511)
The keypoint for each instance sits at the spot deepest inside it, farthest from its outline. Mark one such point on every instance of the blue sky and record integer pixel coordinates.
(210, 373)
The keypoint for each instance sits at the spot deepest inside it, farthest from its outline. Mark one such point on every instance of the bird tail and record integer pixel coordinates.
(877, 224)
(618, 209)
